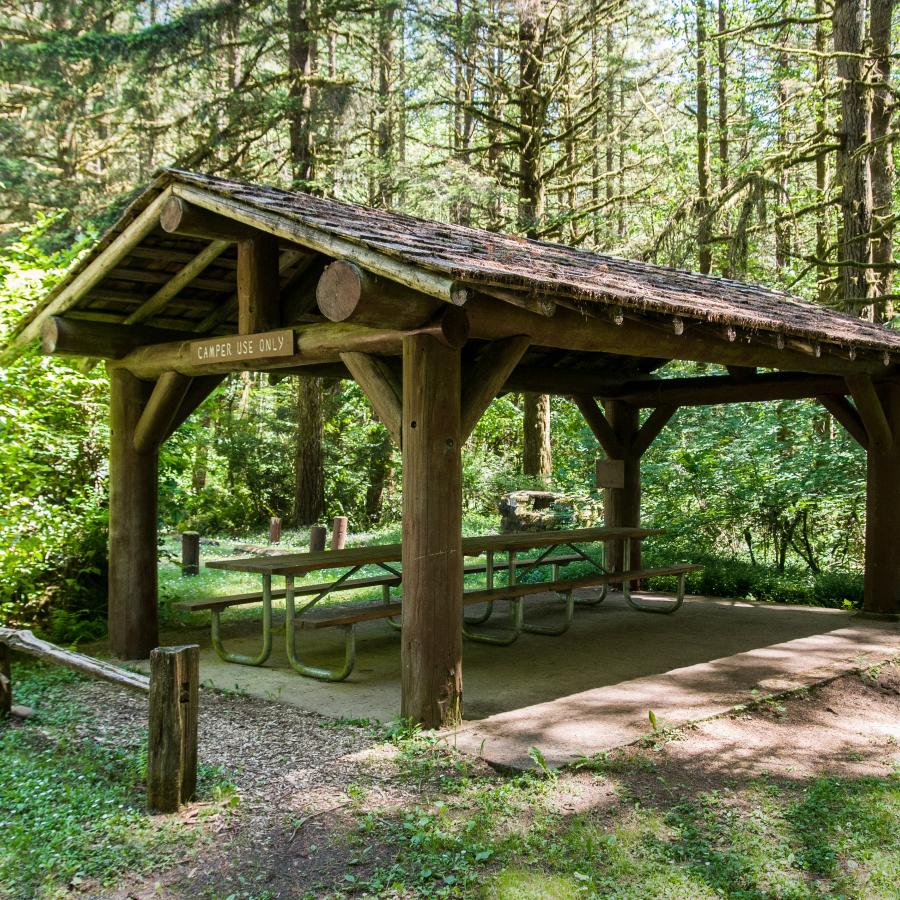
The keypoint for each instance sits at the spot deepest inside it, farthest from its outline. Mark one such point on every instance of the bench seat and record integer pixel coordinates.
(308, 590)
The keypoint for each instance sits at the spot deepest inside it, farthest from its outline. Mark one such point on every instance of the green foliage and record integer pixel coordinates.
(71, 809)
(53, 450)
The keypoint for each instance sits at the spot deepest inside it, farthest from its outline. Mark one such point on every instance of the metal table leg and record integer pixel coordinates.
(266, 650)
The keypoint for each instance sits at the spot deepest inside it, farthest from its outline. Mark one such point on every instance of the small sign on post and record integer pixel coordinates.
(611, 473)
(265, 345)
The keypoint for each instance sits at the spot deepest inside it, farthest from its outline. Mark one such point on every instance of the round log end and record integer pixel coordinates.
(340, 290)
(172, 214)
(453, 327)
(49, 335)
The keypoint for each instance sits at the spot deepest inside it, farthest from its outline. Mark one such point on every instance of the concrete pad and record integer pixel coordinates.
(586, 691)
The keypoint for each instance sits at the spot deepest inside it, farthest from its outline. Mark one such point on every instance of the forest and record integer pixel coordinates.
(748, 140)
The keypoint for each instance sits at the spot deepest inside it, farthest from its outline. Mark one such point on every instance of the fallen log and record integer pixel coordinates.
(23, 641)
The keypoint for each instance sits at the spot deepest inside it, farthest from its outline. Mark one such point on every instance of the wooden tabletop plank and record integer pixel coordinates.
(301, 563)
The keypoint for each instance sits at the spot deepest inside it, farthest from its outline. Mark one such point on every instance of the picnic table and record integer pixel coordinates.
(386, 558)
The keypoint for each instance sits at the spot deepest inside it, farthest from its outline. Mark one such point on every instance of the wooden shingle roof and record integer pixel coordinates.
(445, 258)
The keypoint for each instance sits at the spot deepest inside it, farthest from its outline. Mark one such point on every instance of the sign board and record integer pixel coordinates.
(266, 345)
(610, 473)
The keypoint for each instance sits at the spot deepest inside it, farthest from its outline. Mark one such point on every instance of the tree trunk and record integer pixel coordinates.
(379, 472)
(722, 87)
(882, 163)
(309, 472)
(853, 159)
(301, 66)
(537, 458)
(704, 251)
(822, 273)
(386, 52)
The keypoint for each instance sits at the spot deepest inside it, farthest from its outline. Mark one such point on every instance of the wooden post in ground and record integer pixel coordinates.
(431, 639)
(339, 533)
(882, 578)
(622, 506)
(5, 682)
(172, 747)
(133, 630)
(274, 530)
(190, 553)
(317, 535)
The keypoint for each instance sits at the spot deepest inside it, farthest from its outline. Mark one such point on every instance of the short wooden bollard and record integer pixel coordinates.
(317, 535)
(274, 530)
(339, 533)
(5, 682)
(190, 553)
(172, 745)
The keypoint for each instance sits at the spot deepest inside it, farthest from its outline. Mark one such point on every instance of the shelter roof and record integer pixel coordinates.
(124, 274)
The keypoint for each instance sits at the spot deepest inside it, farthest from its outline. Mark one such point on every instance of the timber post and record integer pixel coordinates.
(275, 530)
(172, 746)
(622, 506)
(339, 533)
(431, 638)
(5, 682)
(882, 573)
(190, 553)
(133, 628)
(317, 535)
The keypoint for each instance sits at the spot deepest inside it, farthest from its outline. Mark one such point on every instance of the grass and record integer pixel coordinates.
(499, 837)
(72, 810)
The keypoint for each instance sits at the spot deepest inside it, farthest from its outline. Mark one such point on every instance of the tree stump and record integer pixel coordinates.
(5, 682)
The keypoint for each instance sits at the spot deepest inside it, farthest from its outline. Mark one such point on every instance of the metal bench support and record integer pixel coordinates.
(266, 650)
(663, 609)
(290, 637)
(551, 630)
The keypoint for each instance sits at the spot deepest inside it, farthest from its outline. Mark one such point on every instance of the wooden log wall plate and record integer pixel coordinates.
(265, 345)
(610, 473)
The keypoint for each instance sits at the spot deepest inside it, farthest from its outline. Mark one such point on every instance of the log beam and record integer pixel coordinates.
(257, 284)
(431, 638)
(600, 426)
(157, 417)
(868, 405)
(381, 387)
(152, 305)
(201, 387)
(882, 576)
(845, 413)
(178, 216)
(653, 425)
(100, 340)
(133, 628)
(485, 379)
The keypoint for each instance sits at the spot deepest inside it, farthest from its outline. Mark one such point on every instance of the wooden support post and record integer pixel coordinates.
(172, 746)
(257, 284)
(845, 413)
(431, 639)
(5, 682)
(317, 535)
(132, 524)
(869, 407)
(160, 411)
(379, 385)
(274, 530)
(882, 578)
(487, 377)
(339, 533)
(190, 553)
(622, 506)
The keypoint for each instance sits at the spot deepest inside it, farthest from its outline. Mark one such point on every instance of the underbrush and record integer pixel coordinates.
(72, 806)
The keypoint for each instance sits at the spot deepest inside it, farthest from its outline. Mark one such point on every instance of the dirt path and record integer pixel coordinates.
(305, 784)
